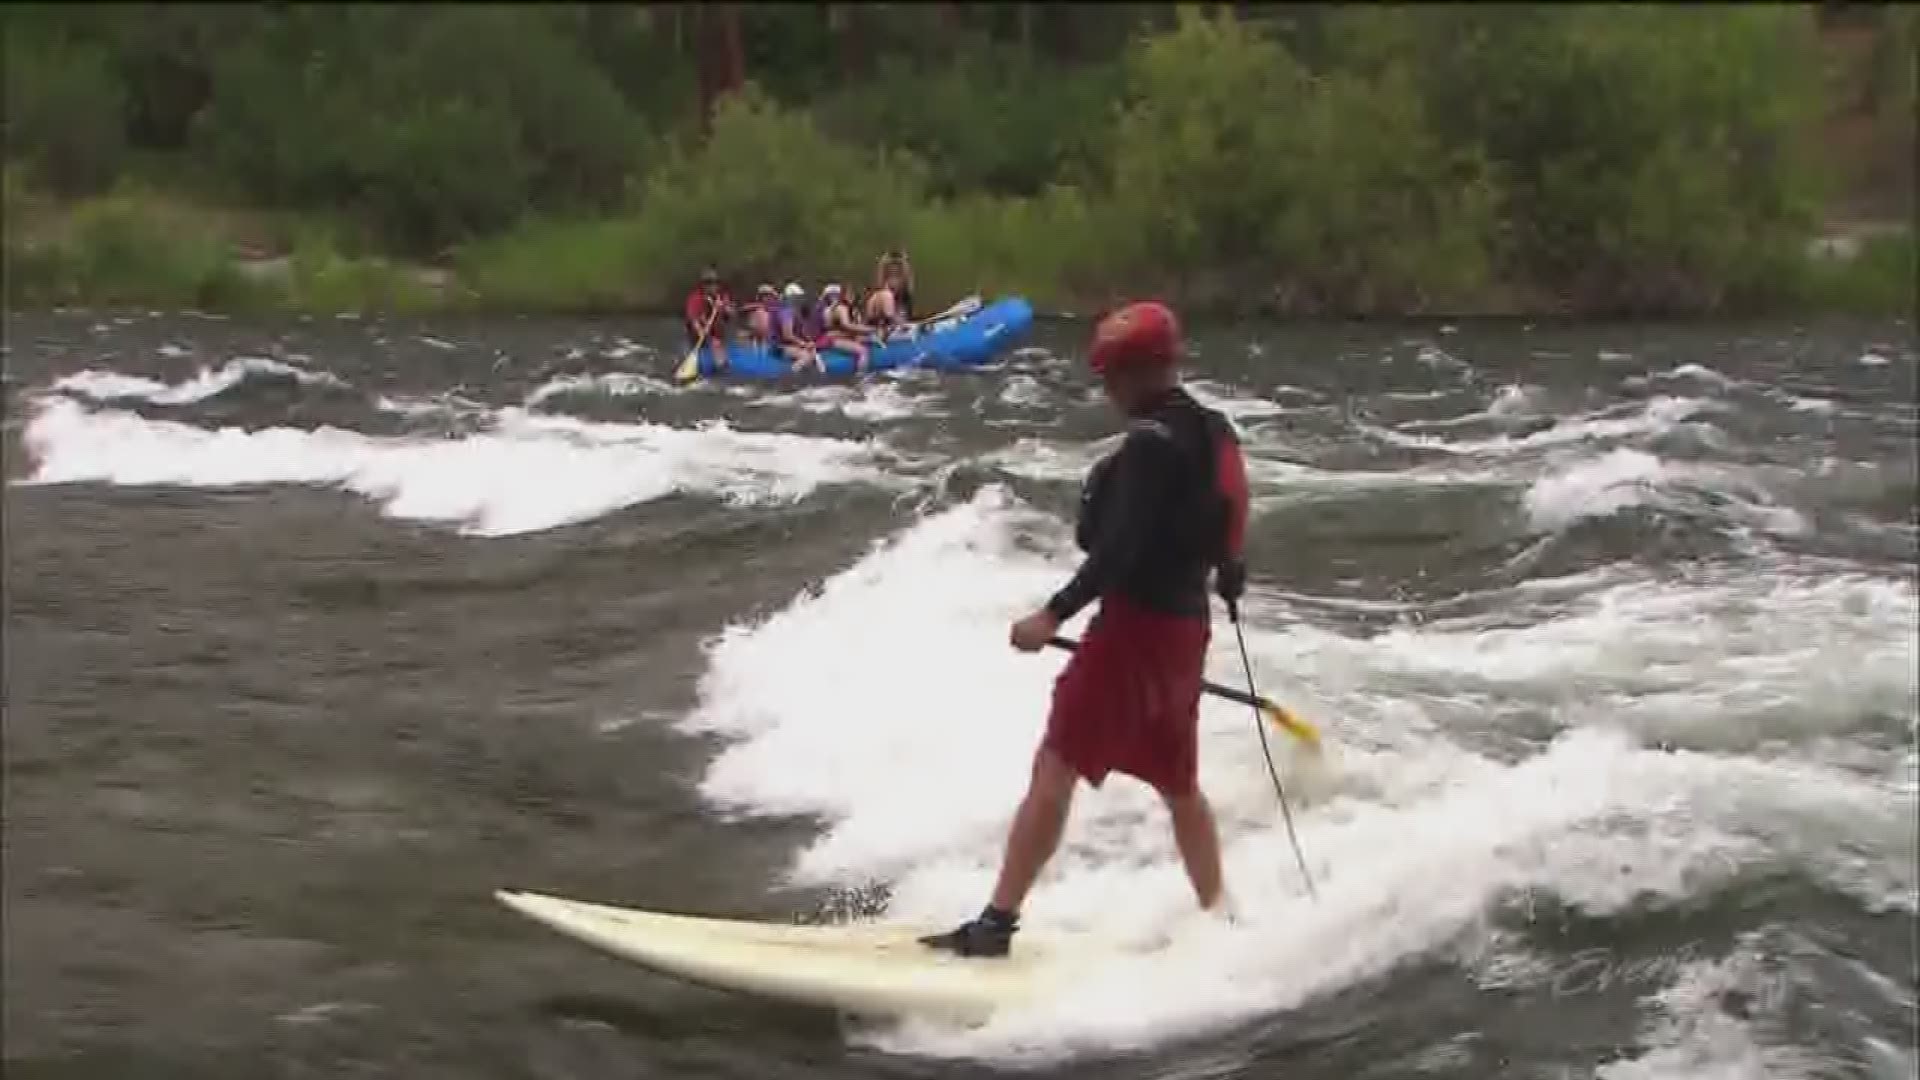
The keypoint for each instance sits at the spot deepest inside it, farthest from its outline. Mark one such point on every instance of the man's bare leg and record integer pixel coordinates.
(1036, 829)
(1199, 844)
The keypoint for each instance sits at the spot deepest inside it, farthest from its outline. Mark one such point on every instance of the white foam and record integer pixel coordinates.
(1274, 482)
(888, 704)
(448, 403)
(527, 473)
(1046, 460)
(1231, 401)
(1022, 391)
(1622, 478)
(1693, 1035)
(113, 386)
(871, 401)
(1517, 399)
(610, 384)
(1657, 416)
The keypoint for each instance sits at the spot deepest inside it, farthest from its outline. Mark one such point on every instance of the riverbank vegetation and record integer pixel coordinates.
(1290, 159)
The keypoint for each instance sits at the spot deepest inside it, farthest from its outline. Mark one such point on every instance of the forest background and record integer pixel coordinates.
(1307, 160)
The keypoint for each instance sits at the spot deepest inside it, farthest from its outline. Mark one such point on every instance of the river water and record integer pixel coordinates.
(318, 631)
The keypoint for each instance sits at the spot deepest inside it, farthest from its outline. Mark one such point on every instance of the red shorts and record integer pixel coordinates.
(1129, 698)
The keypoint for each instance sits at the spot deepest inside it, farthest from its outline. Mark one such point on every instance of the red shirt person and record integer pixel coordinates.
(1159, 517)
(707, 314)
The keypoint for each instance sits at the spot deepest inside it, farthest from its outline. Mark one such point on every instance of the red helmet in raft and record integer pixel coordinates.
(1145, 333)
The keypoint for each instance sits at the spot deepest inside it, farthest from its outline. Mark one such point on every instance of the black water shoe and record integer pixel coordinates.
(990, 934)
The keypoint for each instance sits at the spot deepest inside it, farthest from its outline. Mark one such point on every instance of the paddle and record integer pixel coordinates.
(1233, 610)
(1281, 717)
(690, 367)
(964, 306)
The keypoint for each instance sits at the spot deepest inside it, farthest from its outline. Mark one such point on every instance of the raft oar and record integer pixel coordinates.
(963, 307)
(690, 367)
(1282, 718)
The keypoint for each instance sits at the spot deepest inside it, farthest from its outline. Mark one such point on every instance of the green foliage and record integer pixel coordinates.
(986, 122)
(1647, 155)
(1047, 248)
(64, 111)
(1883, 278)
(120, 250)
(1332, 188)
(1317, 159)
(434, 130)
(574, 266)
(134, 247)
(768, 194)
(1196, 149)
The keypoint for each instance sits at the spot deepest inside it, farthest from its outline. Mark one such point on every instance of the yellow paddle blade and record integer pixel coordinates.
(689, 368)
(1291, 724)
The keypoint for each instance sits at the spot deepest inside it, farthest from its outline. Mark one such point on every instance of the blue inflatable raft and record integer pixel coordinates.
(946, 341)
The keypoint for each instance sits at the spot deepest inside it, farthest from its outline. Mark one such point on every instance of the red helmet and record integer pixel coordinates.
(1146, 332)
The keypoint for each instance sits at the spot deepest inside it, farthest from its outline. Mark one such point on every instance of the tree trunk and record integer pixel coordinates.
(840, 25)
(719, 60)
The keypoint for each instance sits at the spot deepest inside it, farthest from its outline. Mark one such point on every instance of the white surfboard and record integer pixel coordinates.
(862, 968)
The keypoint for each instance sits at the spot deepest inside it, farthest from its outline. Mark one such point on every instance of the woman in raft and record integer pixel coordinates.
(839, 329)
(771, 322)
(797, 330)
(889, 305)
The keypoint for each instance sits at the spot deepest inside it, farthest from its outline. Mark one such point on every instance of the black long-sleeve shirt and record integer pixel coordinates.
(1151, 520)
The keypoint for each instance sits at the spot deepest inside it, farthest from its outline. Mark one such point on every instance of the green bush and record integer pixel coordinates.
(582, 265)
(64, 109)
(985, 123)
(1364, 159)
(433, 130)
(323, 280)
(1647, 156)
(128, 249)
(769, 195)
(1045, 248)
(1882, 278)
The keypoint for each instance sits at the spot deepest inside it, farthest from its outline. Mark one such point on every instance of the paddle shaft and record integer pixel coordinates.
(937, 316)
(1240, 636)
(1228, 692)
(690, 367)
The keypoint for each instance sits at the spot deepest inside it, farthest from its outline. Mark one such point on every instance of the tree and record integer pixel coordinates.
(722, 63)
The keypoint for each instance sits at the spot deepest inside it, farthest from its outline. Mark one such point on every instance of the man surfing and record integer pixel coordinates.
(1159, 515)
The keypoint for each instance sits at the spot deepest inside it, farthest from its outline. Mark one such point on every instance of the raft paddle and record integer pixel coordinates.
(963, 307)
(1282, 718)
(690, 367)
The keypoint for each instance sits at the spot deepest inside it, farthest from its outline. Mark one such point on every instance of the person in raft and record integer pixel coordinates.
(761, 315)
(795, 331)
(1166, 509)
(708, 313)
(839, 329)
(886, 307)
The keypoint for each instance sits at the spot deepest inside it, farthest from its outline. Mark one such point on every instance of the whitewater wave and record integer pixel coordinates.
(108, 386)
(1624, 478)
(525, 473)
(1661, 415)
(844, 706)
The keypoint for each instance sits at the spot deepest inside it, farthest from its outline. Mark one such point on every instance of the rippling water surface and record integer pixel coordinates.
(319, 631)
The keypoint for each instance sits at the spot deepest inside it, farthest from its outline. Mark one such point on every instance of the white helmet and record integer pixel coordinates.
(794, 291)
(830, 290)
